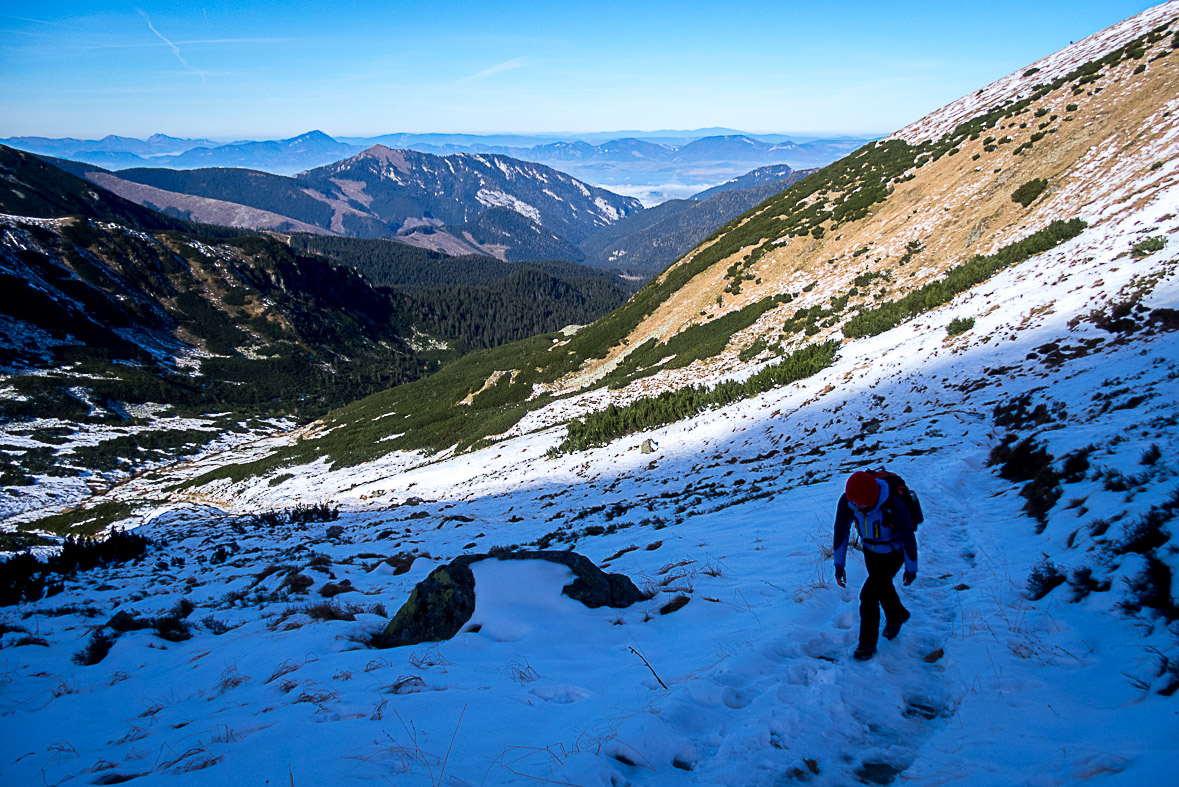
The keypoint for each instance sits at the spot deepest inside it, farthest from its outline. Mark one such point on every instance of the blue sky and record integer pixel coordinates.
(272, 70)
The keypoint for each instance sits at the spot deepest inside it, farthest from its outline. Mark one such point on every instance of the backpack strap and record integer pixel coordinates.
(886, 520)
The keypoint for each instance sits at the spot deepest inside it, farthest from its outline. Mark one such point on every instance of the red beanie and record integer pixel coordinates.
(862, 489)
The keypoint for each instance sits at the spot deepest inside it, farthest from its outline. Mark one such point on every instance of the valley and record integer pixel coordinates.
(287, 440)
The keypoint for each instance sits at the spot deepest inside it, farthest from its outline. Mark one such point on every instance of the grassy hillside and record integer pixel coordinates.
(883, 235)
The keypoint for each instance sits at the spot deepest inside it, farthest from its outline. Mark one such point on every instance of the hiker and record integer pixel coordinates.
(886, 529)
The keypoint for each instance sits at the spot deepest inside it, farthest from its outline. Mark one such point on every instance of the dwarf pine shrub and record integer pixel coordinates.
(1082, 583)
(99, 644)
(1041, 493)
(1148, 246)
(1026, 194)
(1150, 589)
(170, 628)
(1021, 462)
(1151, 455)
(959, 279)
(299, 515)
(1169, 672)
(1076, 464)
(959, 325)
(599, 428)
(1043, 579)
(1146, 533)
(24, 578)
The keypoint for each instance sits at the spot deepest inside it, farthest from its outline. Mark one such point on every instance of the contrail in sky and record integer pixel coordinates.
(175, 49)
(496, 69)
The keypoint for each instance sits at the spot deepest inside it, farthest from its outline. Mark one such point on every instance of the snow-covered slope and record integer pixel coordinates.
(1043, 648)
(733, 511)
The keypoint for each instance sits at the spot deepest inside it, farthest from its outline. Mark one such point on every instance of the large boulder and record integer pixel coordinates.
(442, 603)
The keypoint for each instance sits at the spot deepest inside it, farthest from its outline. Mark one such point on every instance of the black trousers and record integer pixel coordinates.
(878, 592)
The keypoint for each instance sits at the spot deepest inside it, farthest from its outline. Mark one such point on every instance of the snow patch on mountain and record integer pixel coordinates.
(499, 199)
(608, 210)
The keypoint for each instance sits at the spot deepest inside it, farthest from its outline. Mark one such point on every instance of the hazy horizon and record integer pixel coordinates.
(560, 135)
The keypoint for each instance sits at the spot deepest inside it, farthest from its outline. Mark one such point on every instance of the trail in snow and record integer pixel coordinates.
(761, 686)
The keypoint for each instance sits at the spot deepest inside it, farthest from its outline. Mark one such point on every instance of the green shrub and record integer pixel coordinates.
(1044, 578)
(668, 407)
(1145, 533)
(753, 350)
(1026, 194)
(99, 644)
(83, 521)
(1145, 248)
(1020, 462)
(959, 325)
(959, 279)
(1151, 588)
(691, 344)
(299, 515)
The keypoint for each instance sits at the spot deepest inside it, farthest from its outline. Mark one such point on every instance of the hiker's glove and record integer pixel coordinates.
(908, 578)
(841, 577)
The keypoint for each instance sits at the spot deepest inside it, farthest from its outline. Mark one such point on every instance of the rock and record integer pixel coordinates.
(297, 583)
(878, 772)
(592, 587)
(444, 601)
(436, 609)
(124, 621)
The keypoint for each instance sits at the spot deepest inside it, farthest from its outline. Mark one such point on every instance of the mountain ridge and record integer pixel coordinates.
(379, 192)
(999, 311)
(866, 235)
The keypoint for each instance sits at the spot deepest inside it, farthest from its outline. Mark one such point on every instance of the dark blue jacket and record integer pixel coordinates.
(886, 528)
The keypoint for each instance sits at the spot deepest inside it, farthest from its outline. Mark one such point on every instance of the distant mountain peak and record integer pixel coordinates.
(386, 155)
(313, 136)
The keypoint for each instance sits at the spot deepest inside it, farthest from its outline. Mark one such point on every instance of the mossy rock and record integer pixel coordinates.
(442, 603)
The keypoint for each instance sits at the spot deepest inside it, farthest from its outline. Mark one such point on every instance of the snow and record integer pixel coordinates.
(516, 598)
(51, 494)
(496, 198)
(759, 680)
(752, 681)
(607, 210)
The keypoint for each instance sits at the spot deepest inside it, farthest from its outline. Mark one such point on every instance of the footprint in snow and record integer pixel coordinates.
(825, 647)
(846, 619)
(738, 698)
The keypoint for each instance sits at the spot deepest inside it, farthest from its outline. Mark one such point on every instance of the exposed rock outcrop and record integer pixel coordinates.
(444, 601)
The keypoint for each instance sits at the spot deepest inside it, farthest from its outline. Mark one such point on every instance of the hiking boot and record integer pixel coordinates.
(863, 654)
(893, 627)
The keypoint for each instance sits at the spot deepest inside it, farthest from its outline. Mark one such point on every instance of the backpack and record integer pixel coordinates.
(898, 489)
